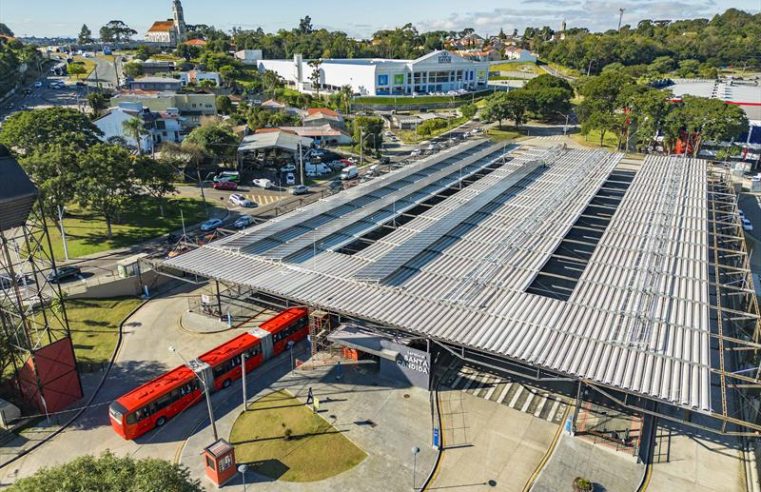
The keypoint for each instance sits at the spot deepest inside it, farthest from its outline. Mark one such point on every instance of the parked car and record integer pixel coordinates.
(290, 179)
(299, 190)
(243, 222)
(38, 84)
(263, 183)
(225, 185)
(415, 152)
(64, 273)
(335, 185)
(746, 224)
(741, 213)
(240, 200)
(289, 168)
(210, 225)
(350, 172)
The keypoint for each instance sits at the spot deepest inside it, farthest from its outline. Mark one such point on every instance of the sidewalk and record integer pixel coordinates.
(384, 419)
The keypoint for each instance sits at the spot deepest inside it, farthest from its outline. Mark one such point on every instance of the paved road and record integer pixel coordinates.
(105, 73)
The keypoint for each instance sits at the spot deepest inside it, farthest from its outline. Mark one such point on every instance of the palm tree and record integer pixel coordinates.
(134, 128)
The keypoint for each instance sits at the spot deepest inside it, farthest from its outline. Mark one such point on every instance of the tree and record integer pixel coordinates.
(215, 139)
(98, 102)
(133, 70)
(107, 181)
(468, 110)
(156, 178)
(85, 35)
(75, 68)
(315, 76)
(134, 128)
(547, 103)
(26, 130)
(305, 25)
(110, 473)
(511, 105)
(224, 105)
(368, 132)
(116, 30)
(54, 168)
(5, 30)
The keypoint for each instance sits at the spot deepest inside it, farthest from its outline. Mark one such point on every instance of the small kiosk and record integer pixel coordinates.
(219, 462)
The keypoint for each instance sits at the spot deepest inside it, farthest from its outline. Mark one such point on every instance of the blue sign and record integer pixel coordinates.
(436, 438)
(569, 425)
(382, 79)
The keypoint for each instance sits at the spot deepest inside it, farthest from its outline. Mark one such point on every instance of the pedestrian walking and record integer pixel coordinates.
(310, 396)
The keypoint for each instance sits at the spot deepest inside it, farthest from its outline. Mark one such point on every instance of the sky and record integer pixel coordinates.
(355, 17)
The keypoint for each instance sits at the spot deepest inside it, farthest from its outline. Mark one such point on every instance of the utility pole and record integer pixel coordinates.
(620, 17)
(301, 162)
(243, 376)
(361, 146)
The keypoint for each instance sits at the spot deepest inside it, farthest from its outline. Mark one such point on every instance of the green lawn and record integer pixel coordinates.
(86, 232)
(409, 100)
(593, 139)
(507, 133)
(516, 67)
(89, 67)
(94, 325)
(412, 137)
(314, 451)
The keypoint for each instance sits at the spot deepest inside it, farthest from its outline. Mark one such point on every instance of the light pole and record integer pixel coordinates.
(290, 349)
(415, 451)
(205, 390)
(243, 376)
(589, 68)
(243, 469)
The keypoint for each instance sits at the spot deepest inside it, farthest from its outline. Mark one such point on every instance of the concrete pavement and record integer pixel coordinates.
(382, 417)
(144, 355)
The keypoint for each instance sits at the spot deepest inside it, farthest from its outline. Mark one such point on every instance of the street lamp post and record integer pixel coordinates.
(243, 376)
(290, 349)
(589, 68)
(205, 390)
(242, 469)
(415, 451)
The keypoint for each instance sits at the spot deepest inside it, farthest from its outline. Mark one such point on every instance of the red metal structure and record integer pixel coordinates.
(152, 404)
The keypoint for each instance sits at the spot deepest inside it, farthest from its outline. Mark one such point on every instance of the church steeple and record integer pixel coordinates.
(179, 20)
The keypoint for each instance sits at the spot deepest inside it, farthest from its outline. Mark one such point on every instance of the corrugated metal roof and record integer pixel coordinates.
(638, 318)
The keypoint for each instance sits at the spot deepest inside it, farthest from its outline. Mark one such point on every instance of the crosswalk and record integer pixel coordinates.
(262, 199)
(551, 138)
(539, 403)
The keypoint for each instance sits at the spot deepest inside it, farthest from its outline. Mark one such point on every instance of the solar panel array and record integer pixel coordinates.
(637, 320)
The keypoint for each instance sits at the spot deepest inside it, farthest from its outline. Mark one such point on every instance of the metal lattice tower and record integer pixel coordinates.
(32, 312)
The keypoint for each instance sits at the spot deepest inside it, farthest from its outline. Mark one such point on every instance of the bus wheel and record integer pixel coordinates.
(161, 421)
(226, 384)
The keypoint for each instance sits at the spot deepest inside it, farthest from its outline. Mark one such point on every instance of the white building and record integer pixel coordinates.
(513, 53)
(158, 127)
(198, 76)
(249, 57)
(171, 31)
(436, 72)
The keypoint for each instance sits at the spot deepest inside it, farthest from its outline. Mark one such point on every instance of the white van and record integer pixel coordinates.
(349, 172)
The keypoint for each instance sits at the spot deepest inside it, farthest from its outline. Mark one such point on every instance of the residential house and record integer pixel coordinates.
(197, 76)
(158, 127)
(155, 84)
(191, 107)
(322, 117)
(153, 67)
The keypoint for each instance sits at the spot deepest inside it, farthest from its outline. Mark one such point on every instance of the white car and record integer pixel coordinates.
(210, 225)
(746, 224)
(741, 213)
(290, 179)
(299, 190)
(240, 200)
(263, 183)
(415, 152)
(38, 84)
(288, 168)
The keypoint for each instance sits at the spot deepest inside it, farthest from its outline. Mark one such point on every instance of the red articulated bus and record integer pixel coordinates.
(152, 404)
